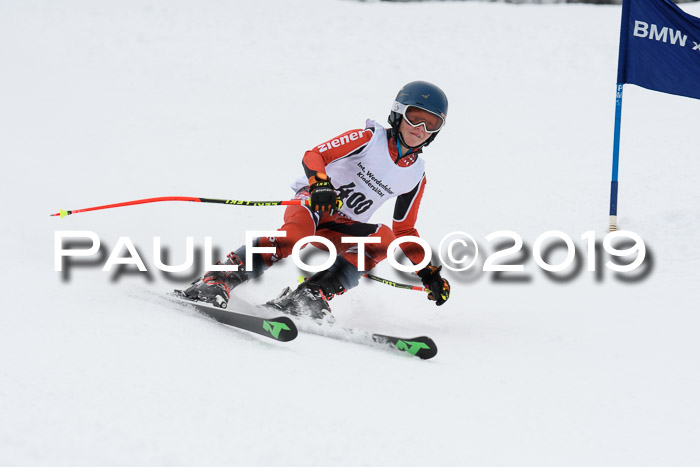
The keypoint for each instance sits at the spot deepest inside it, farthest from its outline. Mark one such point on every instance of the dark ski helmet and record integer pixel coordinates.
(420, 94)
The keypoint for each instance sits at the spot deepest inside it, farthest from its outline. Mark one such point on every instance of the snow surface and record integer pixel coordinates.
(102, 102)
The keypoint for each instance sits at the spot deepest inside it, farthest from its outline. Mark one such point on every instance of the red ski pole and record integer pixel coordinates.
(232, 202)
(385, 282)
(395, 284)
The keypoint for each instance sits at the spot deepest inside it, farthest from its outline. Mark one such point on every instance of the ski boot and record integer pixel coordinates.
(215, 286)
(310, 298)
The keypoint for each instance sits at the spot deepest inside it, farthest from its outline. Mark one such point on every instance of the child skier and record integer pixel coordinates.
(346, 179)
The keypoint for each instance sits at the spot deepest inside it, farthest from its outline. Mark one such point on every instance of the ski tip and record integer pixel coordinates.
(422, 347)
(282, 328)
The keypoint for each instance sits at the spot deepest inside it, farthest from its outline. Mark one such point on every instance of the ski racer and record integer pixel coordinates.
(346, 179)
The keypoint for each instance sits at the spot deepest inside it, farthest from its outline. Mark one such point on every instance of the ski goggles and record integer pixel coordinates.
(415, 116)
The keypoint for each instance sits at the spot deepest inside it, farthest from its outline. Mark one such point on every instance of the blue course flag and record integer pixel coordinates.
(659, 47)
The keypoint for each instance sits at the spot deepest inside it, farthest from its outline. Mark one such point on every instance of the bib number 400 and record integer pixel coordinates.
(352, 199)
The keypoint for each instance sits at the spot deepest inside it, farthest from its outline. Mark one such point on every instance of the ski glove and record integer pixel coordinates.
(323, 195)
(438, 288)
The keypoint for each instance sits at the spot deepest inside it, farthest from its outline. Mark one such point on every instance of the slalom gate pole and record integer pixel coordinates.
(232, 202)
(385, 282)
(616, 158)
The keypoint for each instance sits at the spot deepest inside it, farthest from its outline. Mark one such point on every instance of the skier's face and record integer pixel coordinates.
(413, 136)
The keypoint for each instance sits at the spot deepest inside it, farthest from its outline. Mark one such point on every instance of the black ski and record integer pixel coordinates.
(280, 328)
(422, 347)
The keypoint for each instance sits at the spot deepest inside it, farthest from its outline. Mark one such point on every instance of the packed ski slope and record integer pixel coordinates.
(110, 101)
